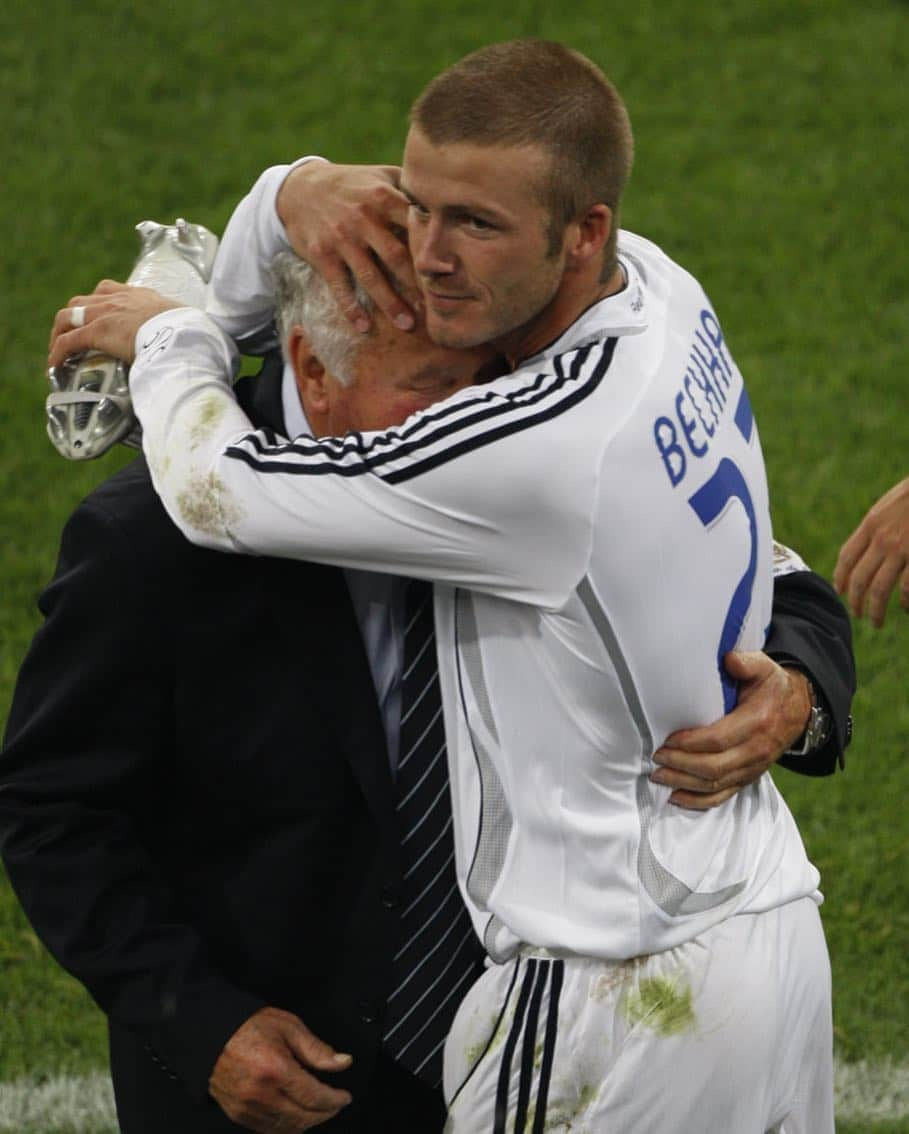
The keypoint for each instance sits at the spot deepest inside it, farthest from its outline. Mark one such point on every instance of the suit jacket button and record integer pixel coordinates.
(367, 1012)
(391, 899)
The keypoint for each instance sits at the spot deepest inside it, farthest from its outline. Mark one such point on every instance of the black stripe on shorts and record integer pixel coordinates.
(501, 1111)
(538, 974)
(549, 1043)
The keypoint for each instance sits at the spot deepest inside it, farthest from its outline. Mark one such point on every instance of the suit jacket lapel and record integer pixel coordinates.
(353, 704)
(323, 622)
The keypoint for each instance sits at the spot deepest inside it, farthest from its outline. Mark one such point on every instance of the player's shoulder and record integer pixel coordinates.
(652, 262)
(646, 256)
(632, 244)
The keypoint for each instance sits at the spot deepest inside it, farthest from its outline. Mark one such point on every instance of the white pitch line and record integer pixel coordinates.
(78, 1104)
(865, 1092)
(871, 1092)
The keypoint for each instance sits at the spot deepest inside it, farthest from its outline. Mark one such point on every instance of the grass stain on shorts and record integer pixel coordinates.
(662, 1004)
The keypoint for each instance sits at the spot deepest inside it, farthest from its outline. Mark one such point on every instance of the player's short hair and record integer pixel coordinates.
(303, 298)
(534, 91)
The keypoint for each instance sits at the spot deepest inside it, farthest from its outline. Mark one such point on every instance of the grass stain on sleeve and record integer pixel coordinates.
(208, 506)
(210, 412)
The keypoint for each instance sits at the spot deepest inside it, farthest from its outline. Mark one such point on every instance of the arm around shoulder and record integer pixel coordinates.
(811, 632)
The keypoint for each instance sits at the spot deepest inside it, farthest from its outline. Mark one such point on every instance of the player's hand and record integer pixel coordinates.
(350, 219)
(708, 765)
(876, 555)
(111, 317)
(263, 1080)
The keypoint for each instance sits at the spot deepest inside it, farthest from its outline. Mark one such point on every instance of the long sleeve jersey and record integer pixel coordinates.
(598, 530)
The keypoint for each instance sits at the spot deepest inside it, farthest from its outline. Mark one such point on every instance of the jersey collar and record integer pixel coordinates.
(623, 313)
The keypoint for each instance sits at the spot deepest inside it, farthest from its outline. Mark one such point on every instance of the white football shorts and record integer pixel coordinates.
(730, 1033)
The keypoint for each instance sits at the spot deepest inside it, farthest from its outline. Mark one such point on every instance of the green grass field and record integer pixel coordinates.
(771, 160)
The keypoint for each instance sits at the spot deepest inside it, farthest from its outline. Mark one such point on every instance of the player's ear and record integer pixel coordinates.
(587, 236)
(309, 372)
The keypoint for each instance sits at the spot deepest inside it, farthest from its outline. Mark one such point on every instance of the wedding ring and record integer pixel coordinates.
(77, 316)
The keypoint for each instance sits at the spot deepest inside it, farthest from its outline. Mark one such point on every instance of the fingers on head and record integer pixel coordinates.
(383, 200)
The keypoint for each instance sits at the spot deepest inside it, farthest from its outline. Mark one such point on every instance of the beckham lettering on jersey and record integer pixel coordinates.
(699, 402)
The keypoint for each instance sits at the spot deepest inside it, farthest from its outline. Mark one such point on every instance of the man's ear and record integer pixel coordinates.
(587, 237)
(309, 373)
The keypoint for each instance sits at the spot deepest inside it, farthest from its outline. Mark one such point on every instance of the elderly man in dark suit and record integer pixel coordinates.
(197, 797)
(197, 807)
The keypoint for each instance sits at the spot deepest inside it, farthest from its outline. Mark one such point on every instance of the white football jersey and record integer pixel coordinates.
(597, 524)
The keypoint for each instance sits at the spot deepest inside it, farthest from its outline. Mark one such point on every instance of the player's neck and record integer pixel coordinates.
(575, 295)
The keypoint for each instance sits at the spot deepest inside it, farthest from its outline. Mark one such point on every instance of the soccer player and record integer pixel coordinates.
(598, 527)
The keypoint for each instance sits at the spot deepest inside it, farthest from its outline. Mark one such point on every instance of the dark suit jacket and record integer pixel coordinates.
(811, 630)
(196, 806)
(195, 801)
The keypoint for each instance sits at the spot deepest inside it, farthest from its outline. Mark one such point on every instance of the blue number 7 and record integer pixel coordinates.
(708, 502)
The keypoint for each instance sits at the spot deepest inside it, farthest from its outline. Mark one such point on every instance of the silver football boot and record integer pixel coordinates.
(89, 408)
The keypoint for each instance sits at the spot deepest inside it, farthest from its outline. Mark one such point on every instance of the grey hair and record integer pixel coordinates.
(304, 299)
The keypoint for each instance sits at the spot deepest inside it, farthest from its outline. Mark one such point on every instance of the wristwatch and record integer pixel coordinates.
(817, 731)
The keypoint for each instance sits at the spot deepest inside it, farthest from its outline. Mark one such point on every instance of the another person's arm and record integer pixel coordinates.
(875, 558)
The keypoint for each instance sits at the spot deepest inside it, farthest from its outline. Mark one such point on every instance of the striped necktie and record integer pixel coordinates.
(439, 955)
